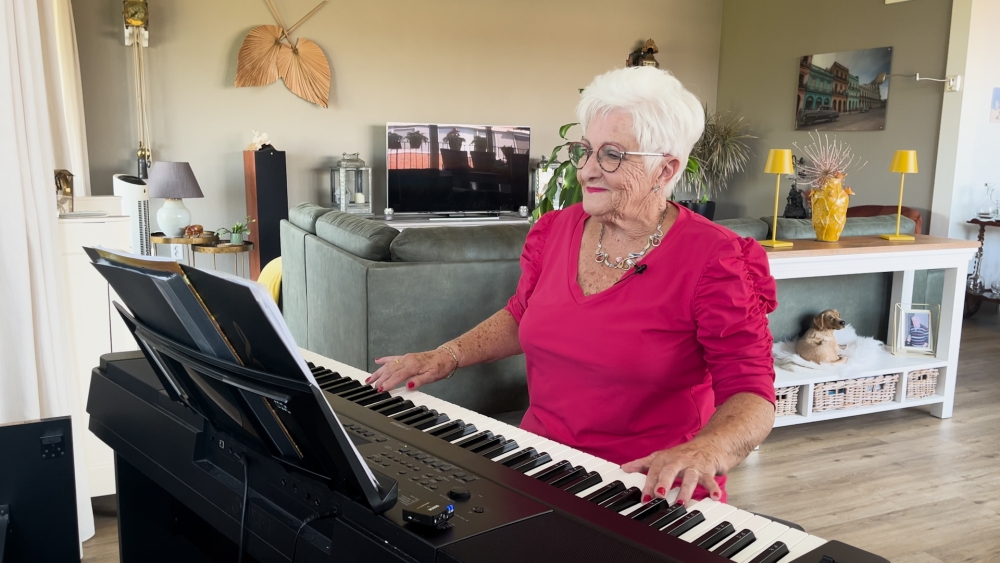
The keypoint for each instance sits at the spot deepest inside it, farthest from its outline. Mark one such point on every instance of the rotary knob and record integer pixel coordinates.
(459, 493)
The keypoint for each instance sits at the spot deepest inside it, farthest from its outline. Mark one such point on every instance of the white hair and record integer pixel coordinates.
(666, 117)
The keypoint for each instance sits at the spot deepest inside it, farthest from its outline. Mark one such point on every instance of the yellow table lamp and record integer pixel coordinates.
(903, 162)
(779, 161)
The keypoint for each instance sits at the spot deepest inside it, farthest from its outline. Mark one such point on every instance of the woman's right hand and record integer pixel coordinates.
(414, 369)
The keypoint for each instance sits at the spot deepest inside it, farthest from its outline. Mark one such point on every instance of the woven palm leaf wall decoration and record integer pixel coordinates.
(269, 52)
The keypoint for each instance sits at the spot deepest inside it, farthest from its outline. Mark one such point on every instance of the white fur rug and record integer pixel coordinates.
(861, 352)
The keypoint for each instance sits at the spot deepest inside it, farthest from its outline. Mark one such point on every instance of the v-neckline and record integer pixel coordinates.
(577, 242)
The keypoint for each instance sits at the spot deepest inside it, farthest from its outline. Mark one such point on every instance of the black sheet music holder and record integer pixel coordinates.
(222, 392)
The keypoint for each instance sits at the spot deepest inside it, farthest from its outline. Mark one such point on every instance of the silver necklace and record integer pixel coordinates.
(633, 257)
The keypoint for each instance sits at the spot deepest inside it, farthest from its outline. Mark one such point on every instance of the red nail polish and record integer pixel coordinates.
(367, 381)
(661, 491)
(409, 385)
(645, 499)
(379, 389)
(715, 496)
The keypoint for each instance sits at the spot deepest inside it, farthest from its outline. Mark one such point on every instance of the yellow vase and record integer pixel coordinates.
(829, 209)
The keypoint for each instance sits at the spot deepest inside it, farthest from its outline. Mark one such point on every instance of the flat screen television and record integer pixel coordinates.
(457, 169)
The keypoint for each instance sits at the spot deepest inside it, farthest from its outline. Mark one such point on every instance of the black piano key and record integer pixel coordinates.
(340, 385)
(736, 544)
(506, 447)
(487, 445)
(347, 388)
(360, 393)
(475, 438)
(407, 414)
(690, 520)
(447, 428)
(431, 422)
(461, 432)
(605, 492)
(534, 461)
(390, 410)
(390, 401)
(621, 501)
(381, 401)
(711, 538)
(311, 365)
(520, 457)
(675, 511)
(553, 471)
(569, 477)
(651, 511)
(373, 399)
(418, 417)
(583, 483)
(325, 378)
(772, 554)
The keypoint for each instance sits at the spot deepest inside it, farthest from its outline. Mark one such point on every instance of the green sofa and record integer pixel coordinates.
(355, 289)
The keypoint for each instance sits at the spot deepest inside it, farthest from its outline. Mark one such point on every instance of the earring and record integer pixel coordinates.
(656, 189)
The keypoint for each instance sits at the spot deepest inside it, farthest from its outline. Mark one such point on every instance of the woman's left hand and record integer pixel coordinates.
(694, 463)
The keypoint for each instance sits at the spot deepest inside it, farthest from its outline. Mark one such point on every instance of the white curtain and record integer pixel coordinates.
(35, 358)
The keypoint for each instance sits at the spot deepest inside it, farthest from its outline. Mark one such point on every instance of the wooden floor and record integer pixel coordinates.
(902, 484)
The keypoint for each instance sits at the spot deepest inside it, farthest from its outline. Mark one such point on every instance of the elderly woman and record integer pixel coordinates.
(643, 325)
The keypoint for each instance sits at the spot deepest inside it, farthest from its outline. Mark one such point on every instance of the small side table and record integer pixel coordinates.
(226, 248)
(207, 238)
(973, 301)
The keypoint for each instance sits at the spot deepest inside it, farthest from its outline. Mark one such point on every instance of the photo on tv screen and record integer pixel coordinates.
(445, 168)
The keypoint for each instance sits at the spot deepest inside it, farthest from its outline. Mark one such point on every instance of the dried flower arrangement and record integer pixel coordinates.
(825, 159)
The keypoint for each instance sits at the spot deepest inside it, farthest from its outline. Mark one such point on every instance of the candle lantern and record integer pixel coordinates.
(351, 185)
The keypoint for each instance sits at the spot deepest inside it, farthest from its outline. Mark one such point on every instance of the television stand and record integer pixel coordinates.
(417, 222)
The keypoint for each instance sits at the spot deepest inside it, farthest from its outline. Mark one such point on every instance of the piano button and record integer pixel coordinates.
(404, 450)
(711, 538)
(446, 467)
(459, 475)
(736, 544)
(420, 456)
(563, 480)
(470, 478)
(765, 537)
(381, 439)
(432, 487)
(532, 462)
(425, 482)
(606, 492)
(803, 547)
(446, 428)
(385, 465)
(685, 523)
(772, 554)
(552, 472)
(462, 432)
(402, 472)
(630, 497)
(474, 439)
(438, 419)
(506, 447)
(415, 478)
(518, 457)
(487, 445)
(675, 511)
(583, 483)
(369, 434)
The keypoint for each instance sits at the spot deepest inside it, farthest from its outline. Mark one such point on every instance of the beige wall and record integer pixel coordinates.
(762, 42)
(466, 61)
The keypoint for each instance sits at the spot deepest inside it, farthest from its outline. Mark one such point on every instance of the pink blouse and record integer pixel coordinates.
(642, 365)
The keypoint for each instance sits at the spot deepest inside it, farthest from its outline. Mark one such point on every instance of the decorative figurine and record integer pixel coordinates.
(644, 55)
(796, 208)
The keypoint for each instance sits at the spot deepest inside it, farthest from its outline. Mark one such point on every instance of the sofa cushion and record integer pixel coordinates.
(459, 244)
(746, 227)
(792, 229)
(304, 216)
(361, 237)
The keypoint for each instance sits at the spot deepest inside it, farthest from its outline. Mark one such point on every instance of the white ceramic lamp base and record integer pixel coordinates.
(173, 218)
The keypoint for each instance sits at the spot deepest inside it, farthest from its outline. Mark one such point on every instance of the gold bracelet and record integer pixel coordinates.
(453, 356)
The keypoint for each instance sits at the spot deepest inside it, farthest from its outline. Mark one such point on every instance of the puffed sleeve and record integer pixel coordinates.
(732, 299)
(531, 265)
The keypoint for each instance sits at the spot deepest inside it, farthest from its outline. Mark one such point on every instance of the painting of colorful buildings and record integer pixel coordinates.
(843, 91)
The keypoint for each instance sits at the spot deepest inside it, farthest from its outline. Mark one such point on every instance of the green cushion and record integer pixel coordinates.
(304, 216)
(746, 227)
(459, 244)
(792, 229)
(361, 237)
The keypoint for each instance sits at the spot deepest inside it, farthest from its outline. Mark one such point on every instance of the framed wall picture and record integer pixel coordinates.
(842, 91)
(914, 330)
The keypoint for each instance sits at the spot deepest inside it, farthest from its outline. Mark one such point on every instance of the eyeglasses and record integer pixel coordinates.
(609, 157)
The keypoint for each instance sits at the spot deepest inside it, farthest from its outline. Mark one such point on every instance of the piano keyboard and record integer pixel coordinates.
(721, 528)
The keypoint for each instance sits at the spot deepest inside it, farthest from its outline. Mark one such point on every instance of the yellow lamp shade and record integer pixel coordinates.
(779, 161)
(904, 162)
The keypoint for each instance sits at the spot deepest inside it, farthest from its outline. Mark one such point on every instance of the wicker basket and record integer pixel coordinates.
(787, 400)
(851, 393)
(921, 383)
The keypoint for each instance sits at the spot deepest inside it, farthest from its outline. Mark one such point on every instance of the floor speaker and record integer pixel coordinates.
(267, 204)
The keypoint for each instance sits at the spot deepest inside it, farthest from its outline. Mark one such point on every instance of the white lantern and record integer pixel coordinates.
(351, 185)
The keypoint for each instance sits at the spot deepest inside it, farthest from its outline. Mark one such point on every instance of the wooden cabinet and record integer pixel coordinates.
(95, 327)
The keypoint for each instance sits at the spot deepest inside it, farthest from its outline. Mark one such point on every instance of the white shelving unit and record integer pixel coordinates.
(863, 255)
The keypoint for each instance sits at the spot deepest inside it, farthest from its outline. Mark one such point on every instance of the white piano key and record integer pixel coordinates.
(717, 514)
(803, 547)
(765, 537)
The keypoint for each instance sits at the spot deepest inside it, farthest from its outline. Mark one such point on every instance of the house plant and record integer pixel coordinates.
(236, 234)
(454, 140)
(479, 144)
(416, 138)
(827, 163)
(394, 140)
(719, 155)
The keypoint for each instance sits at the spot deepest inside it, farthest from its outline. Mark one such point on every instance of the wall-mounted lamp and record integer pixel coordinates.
(953, 82)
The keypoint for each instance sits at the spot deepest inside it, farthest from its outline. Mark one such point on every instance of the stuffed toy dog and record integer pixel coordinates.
(819, 344)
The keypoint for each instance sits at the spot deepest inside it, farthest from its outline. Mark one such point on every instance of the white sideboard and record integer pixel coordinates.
(863, 255)
(95, 327)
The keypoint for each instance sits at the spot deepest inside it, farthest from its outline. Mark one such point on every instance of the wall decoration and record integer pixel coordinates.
(840, 91)
(643, 56)
(995, 106)
(269, 52)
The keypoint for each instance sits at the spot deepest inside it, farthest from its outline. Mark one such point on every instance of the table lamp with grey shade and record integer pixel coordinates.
(173, 181)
